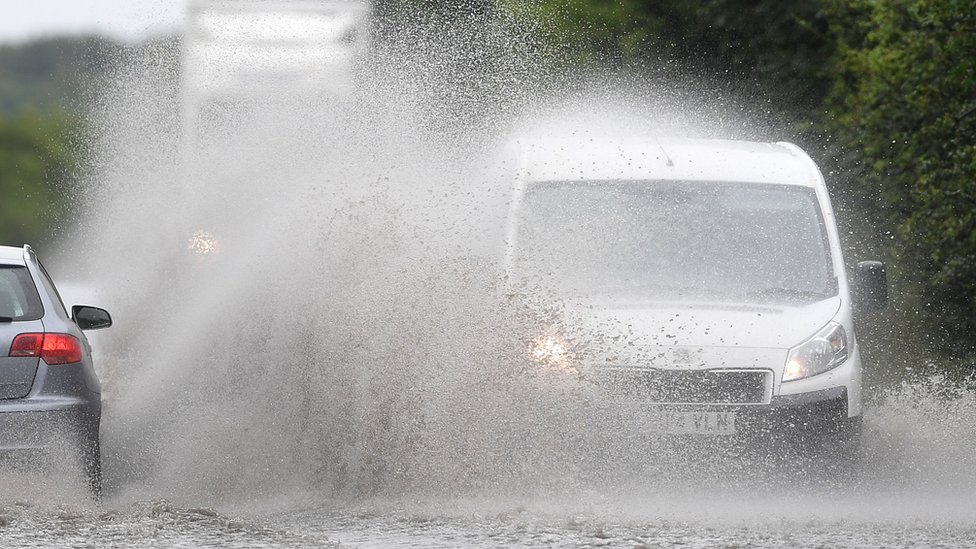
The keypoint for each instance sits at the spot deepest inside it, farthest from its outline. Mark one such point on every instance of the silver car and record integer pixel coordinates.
(50, 397)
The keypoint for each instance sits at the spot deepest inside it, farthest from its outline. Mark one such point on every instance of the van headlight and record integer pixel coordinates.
(822, 352)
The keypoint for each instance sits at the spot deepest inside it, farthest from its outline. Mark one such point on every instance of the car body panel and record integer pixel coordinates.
(554, 159)
(17, 373)
(716, 324)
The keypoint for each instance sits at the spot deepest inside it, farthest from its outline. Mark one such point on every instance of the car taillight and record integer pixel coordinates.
(51, 348)
(27, 345)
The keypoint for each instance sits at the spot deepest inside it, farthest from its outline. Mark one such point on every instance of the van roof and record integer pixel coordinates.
(11, 255)
(677, 159)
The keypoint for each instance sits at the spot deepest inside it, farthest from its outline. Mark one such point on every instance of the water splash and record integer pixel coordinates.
(346, 335)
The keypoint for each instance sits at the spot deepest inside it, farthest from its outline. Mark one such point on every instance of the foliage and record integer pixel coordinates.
(52, 73)
(43, 84)
(779, 47)
(36, 163)
(904, 99)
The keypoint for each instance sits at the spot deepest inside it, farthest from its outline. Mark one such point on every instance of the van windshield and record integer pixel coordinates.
(695, 241)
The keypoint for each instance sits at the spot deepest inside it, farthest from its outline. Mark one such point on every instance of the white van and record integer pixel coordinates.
(707, 274)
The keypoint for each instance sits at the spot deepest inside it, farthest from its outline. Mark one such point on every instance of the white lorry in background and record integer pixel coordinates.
(254, 70)
(240, 51)
(710, 278)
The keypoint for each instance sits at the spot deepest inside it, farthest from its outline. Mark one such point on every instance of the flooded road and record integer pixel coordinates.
(688, 523)
(906, 496)
(694, 523)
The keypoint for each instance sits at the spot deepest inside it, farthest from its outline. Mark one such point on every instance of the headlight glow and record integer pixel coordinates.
(552, 352)
(824, 351)
(203, 243)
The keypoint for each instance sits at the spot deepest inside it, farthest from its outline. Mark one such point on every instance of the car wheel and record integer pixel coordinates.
(93, 467)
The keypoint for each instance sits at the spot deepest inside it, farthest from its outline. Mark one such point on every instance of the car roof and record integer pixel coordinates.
(11, 255)
(669, 159)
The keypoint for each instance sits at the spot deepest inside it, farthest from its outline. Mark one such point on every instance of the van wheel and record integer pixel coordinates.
(842, 449)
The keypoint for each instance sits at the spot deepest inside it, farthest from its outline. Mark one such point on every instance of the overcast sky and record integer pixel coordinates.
(129, 20)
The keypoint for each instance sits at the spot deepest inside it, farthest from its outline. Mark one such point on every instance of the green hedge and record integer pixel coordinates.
(904, 101)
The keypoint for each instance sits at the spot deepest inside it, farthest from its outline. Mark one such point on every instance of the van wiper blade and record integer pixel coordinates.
(6, 319)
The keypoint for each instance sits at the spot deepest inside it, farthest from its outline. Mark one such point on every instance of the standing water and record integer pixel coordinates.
(313, 343)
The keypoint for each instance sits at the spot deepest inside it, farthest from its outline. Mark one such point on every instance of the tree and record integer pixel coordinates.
(779, 47)
(44, 84)
(36, 163)
(53, 73)
(904, 100)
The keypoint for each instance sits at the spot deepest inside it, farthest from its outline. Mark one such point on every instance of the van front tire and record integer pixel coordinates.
(840, 449)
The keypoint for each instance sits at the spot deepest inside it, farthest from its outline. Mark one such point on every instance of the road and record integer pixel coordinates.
(910, 493)
(468, 524)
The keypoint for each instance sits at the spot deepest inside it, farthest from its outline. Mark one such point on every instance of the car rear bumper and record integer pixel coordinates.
(42, 422)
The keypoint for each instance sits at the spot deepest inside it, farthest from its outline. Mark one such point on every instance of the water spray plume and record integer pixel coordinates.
(350, 333)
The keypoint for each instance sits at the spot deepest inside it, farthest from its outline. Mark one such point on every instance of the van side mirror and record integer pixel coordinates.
(90, 318)
(871, 286)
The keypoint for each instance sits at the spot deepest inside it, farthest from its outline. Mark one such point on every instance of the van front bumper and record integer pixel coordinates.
(823, 412)
(790, 417)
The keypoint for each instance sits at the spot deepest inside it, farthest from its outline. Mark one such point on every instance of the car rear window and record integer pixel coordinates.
(18, 296)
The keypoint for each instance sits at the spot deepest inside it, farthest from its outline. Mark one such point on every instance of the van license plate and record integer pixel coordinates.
(698, 423)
